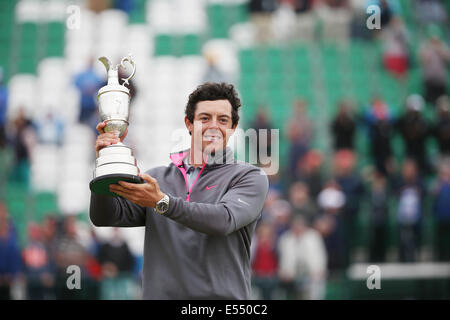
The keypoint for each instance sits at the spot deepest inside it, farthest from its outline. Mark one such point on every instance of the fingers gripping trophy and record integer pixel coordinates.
(115, 162)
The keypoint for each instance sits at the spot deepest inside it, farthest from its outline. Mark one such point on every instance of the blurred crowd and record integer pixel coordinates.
(310, 227)
(310, 223)
(40, 269)
(339, 21)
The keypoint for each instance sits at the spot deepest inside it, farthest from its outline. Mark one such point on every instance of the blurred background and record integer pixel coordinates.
(364, 124)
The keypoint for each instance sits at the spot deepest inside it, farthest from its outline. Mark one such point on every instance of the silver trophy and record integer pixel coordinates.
(116, 162)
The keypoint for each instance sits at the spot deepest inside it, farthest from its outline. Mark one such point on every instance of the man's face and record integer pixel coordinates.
(212, 125)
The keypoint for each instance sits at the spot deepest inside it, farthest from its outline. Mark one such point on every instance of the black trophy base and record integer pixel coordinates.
(100, 185)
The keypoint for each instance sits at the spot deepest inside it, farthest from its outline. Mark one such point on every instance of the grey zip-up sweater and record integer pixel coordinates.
(200, 249)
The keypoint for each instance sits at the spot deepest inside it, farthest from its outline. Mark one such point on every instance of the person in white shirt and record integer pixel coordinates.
(302, 261)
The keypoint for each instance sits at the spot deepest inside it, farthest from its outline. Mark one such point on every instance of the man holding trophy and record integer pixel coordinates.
(200, 212)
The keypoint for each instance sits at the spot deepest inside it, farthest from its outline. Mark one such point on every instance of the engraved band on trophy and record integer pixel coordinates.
(115, 162)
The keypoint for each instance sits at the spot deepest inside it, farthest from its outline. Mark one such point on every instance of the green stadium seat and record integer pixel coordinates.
(4, 53)
(8, 5)
(192, 44)
(56, 30)
(44, 204)
(55, 49)
(27, 65)
(236, 13)
(28, 30)
(137, 15)
(6, 29)
(222, 16)
(163, 44)
(247, 59)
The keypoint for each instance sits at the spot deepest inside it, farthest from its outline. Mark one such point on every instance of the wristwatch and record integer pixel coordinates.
(162, 205)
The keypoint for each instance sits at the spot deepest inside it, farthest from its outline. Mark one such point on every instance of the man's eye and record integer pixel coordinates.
(203, 118)
(224, 120)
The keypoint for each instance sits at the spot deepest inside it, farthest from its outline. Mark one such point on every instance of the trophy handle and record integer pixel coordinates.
(130, 61)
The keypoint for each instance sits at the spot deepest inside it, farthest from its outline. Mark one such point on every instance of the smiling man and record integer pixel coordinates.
(199, 212)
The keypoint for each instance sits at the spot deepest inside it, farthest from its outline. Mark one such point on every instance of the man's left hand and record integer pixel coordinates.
(145, 195)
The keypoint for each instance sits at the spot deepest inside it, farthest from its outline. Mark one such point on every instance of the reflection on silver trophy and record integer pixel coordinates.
(115, 162)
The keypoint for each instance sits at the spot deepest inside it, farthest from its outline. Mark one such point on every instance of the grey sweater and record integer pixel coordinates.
(200, 249)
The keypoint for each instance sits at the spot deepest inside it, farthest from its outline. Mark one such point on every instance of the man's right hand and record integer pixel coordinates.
(106, 138)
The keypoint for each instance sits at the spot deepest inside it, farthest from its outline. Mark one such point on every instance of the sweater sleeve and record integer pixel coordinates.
(241, 205)
(106, 211)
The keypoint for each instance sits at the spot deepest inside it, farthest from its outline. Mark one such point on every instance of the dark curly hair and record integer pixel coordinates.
(214, 91)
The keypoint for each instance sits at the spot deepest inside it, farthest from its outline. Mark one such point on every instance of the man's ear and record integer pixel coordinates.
(234, 126)
(189, 125)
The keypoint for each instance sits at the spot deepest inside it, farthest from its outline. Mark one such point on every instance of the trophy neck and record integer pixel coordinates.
(116, 127)
(113, 77)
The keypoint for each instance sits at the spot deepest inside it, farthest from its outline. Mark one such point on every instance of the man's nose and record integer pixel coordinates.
(214, 123)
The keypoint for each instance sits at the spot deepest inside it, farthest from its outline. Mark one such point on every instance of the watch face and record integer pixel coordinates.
(162, 207)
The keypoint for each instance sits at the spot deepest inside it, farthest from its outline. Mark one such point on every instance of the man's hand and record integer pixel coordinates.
(106, 138)
(145, 195)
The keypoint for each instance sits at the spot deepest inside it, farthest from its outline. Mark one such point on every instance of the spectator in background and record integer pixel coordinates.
(430, 11)
(265, 261)
(411, 192)
(343, 127)
(331, 201)
(305, 20)
(213, 72)
(261, 17)
(299, 131)
(50, 129)
(282, 213)
(358, 26)
(117, 264)
(396, 48)
(3, 108)
(88, 82)
(379, 206)
(441, 128)
(388, 8)
(22, 137)
(38, 267)
(263, 146)
(272, 197)
(99, 5)
(336, 16)
(351, 184)
(125, 5)
(415, 130)
(380, 124)
(441, 208)
(303, 261)
(275, 182)
(10, 261)
(434, 57)
(70, 251)
(310, 172)
(301, 202)
(50, 236)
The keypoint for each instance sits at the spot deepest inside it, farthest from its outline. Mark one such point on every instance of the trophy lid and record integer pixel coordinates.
(113, 75)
